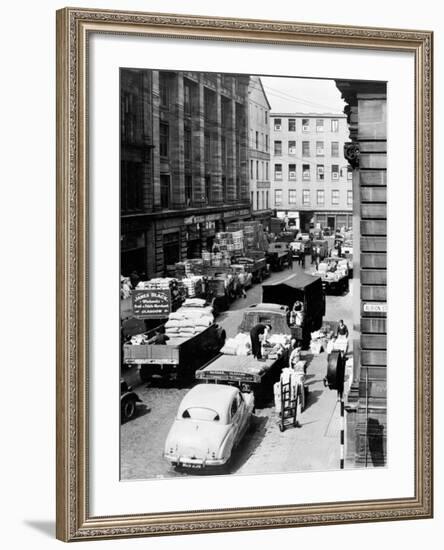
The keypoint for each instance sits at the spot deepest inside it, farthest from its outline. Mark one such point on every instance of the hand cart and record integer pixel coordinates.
(289, 404)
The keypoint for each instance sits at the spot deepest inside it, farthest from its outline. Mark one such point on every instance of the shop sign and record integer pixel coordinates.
(237, 213)
(375, 307)
(151, 304)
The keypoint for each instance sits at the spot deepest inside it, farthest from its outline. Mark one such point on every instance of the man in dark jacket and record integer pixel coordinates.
(258, 330)
(342, 329)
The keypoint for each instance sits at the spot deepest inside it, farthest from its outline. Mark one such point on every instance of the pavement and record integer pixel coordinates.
(313, 446)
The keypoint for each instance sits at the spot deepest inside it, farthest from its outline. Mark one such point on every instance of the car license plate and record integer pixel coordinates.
(192, 465)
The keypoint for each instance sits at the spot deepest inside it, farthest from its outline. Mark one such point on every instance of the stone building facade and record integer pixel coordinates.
(259, 151)
(184, 164)
(366, 418)
(311, 180)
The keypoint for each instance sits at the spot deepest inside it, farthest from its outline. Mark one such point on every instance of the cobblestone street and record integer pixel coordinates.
(314, 445)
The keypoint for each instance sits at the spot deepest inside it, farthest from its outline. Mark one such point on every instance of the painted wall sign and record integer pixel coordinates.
(375, 307)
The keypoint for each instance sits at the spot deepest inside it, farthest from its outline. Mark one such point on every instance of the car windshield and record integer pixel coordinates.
(201, 413)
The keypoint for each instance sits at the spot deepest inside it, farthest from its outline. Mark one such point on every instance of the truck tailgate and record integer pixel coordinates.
(236, 368)
(147, 353)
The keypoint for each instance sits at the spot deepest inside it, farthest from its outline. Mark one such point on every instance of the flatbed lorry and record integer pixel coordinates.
(244, 371)
(177, 359)
(278, 255)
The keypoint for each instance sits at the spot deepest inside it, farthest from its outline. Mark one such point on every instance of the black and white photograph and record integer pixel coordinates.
(253, 301)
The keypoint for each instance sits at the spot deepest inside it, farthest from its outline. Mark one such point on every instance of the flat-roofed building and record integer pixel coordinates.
(311, 182)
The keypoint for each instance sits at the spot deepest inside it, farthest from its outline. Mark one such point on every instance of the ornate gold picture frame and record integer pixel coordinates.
(74, 518)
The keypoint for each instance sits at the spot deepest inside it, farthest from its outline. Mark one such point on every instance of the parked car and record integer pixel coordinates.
(210, 423)
(128, 401)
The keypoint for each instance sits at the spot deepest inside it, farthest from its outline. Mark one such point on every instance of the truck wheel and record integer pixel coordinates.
(144, 375)
(222, 338)
(128, 409)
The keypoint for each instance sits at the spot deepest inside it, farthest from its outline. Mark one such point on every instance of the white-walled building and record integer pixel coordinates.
(259, 150)
(311, 181)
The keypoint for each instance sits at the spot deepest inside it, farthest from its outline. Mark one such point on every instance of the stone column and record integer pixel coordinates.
(197, 130)
(177, 160)
(156, 152)
(243, 134)
(216, 168)
(231, 153)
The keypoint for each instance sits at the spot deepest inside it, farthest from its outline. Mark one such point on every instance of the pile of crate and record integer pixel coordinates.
(254, 237)
(230, 241)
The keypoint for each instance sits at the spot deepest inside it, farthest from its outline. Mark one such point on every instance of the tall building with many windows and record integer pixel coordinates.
(259, 150)
(184, 164)
(311, 180)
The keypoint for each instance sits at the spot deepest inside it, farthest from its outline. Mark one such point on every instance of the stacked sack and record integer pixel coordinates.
(190, 319)
(239, 345)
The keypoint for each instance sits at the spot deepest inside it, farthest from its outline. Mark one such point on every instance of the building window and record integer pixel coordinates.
(292, 125)
(277, 124)
(226, 81)
(349, 197)
(335, 149)
(305, 197)
(334, 125)
(267, 204)
(131, 186)
(163, 139)
(320, 197)
(292, 172)
(349, 173)
(335, 196)
(187, 99)
(266, 171)
(257, 200)
(291, 147)
(164, 91)
(306, 172)
(171, 249)
(130, 116)
(319, 125)
(208, 189)
(319, 148)
(188, 189)
(320, 172)
(335, 171)
(187, 144)
(257, 140)
(278, 171)
(252, 199)
(266, 117)
(252, 169)
(292, 196)
(257, 170)
(165, 190)
(278, 197)
(305, 148)
(278, 148)
(305, 124)
(266, 143)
